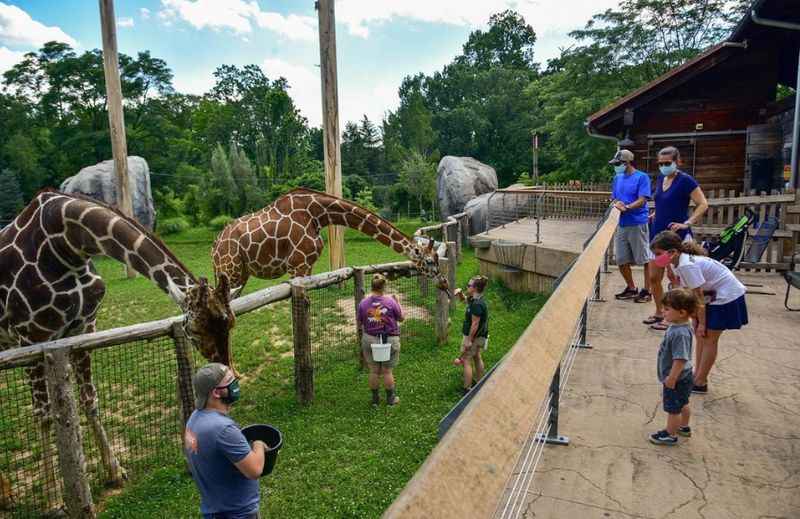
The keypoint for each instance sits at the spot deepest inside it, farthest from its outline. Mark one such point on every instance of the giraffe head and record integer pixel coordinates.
(426, 260)
(208, 317)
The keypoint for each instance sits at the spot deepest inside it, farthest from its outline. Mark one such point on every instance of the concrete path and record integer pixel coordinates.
(743, 460)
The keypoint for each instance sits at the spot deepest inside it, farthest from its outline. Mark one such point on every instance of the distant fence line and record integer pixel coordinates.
(143, 377)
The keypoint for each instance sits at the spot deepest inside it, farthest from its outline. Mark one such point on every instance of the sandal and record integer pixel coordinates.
(653, 319)
(660, 326)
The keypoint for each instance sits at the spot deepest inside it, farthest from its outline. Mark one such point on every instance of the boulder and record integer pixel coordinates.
(99, 181)
(459, 180)
(478, 211)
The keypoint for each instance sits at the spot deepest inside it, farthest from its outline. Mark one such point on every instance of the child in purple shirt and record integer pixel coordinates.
(378, 316)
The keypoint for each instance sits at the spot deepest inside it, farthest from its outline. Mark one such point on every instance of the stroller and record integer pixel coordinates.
(728, 247)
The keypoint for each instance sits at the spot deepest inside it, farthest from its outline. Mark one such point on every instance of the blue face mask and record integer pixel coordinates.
(619, 168)
(668, 170)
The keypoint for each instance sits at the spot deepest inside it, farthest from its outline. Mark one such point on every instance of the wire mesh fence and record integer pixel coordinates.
(137, 404)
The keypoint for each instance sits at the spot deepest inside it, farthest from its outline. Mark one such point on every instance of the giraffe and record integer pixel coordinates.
(49, 289)
(285, 237)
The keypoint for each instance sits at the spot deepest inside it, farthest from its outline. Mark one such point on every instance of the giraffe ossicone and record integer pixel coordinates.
(49, 290)
(285, 237)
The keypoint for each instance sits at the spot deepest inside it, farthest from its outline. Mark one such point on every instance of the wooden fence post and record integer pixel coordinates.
(464, 222)
(77, 494)
(184, 365)
(358, 295)
(458, 240)
(452, 265)
(442, 314)
(301, 332)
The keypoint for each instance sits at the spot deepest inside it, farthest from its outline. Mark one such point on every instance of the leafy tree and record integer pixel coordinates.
(221, 192)
(242, 172)
(10, 196)
(418, 176)
(364, 199)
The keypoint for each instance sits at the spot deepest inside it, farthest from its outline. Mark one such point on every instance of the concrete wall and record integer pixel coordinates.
(540, 267)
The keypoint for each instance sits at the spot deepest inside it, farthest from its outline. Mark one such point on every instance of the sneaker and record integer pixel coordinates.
(644, 296)
(686, 432)
(700, 390)
(663, 438)
(628, 293)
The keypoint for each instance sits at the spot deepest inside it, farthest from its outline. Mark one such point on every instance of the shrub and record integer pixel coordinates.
(173, 225)
(219, 222)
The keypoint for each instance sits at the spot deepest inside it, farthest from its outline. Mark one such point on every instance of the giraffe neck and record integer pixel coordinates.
(77, 228)
(329, 210)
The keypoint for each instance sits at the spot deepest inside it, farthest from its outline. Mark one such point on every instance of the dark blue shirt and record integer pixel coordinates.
(627, 189)
(213, 442)
(672, 205)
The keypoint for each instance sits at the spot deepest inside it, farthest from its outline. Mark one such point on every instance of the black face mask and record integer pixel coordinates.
(233, 392)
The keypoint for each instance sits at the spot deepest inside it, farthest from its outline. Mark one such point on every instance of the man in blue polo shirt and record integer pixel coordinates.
(630, 191)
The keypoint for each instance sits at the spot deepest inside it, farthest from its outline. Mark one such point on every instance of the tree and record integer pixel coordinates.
(10, 196)
(418, 176)
(222, 196)
(249, 196)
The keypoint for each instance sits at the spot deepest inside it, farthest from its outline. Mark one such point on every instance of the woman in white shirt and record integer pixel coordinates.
(720, 295)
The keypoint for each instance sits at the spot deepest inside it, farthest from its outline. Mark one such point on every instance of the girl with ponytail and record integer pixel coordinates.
(720, 295)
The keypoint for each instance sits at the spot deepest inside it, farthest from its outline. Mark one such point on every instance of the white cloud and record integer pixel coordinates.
(543, 15)
(17, 28)
(237, 16)
(144, 13)
(125, 22)
(359, 98)
(9, 58)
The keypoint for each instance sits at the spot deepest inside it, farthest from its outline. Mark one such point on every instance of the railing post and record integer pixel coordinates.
(301, 332)
(71, 459)
(184, 365)
(582, 342)
(597, 296)
(358, 295)
(552, 437)
(447, 268)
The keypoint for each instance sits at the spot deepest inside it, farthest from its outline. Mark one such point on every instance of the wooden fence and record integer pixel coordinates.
(22, 460)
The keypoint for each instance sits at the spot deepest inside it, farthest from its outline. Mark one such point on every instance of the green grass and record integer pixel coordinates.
(341, 458)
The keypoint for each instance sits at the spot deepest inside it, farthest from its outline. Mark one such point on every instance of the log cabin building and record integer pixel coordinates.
(729, 111)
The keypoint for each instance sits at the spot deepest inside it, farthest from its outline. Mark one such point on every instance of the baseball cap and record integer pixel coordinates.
(205, 379)
(622, 156)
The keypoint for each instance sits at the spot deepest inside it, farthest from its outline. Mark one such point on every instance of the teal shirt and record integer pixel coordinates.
(476, 307)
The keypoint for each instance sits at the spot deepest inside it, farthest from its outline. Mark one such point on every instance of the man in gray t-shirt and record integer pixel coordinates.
(224, 465)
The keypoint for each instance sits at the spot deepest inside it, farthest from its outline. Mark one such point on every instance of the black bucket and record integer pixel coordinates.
(269, 435)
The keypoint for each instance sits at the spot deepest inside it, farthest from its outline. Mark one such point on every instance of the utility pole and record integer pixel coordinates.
(330, 121)
(535, 172)
(116, 117)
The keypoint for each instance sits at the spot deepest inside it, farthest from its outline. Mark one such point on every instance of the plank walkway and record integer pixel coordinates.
(744, 458)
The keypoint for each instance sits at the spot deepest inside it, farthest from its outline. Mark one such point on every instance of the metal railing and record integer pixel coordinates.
(506, 206)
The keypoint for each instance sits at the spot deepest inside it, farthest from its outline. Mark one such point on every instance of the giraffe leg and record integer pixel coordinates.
(42, 414)
(82, 362)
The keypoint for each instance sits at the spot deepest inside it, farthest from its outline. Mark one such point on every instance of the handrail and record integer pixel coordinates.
(465, 475)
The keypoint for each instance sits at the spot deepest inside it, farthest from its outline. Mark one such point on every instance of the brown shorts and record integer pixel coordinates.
(366, 349)
(474, 349)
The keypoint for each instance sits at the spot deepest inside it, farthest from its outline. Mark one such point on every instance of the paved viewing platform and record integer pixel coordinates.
(743, 460)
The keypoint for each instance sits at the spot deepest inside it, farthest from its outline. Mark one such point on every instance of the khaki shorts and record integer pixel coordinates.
(632, 245)
(366, 349)
(474, 349)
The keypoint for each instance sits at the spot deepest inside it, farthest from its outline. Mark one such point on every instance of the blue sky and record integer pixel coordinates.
(378, 41)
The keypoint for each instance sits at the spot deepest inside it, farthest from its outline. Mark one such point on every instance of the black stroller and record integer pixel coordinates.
(729, 247)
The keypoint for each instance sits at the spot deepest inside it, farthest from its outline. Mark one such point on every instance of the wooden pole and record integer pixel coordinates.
(358, 295)
(330, 121)
(301, 328)
(77, 494)
(184, 373)
(116, 117)
(442, 315)
(452, 265)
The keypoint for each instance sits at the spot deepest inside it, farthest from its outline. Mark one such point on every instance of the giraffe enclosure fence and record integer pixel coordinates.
(142, 374)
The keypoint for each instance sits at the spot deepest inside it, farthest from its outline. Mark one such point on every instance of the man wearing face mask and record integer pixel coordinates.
(630, 190)
(674, 190)
(224, 465)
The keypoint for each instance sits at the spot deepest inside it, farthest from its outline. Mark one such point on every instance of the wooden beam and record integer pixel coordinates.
(330, 121)
(301, 328)
(466, 474)
(116, 116)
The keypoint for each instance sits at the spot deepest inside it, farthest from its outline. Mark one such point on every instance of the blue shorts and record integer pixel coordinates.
(675, 399)
(730, 316)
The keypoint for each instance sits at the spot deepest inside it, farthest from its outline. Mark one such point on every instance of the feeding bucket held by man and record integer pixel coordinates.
(269, 435)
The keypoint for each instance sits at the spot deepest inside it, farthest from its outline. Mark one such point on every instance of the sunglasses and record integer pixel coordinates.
(226, 386)
(665, 163)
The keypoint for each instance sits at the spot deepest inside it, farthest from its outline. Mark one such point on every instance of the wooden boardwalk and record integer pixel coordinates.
(743, 460)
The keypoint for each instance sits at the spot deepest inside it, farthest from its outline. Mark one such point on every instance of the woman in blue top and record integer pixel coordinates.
(674, 190)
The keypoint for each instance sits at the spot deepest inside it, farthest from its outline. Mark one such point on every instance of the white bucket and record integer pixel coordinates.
(381, 352)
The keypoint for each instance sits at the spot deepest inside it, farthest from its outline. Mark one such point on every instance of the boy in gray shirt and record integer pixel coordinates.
(675, 365)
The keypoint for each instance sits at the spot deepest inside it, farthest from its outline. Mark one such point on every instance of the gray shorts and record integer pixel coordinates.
(632, 245)
(366, 349)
